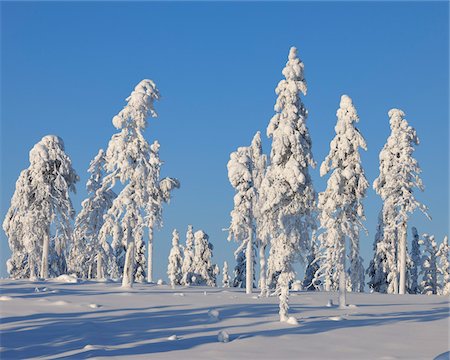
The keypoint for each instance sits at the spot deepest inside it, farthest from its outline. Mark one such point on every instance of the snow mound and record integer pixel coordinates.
(94, 306)
(329, 303)
(255, 297)
(5, 298)
(178, 294)
(292, 320)
(223, 336)
(161, 282)
(66, 278)
(352, 306)
(60, 303)
(336, 318)
(297, 285)
(213, 315)
(91, 347)
(172, 338)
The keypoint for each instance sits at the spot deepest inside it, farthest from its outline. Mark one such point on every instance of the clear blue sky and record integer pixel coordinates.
(67, 68)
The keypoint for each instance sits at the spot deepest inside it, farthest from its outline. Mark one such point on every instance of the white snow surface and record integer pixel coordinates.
(142, 324)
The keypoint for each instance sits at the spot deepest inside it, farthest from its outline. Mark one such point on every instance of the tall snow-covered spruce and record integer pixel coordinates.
(245, 171)
(38, 223)
(188, 258)
(90, 255)
(341, 208)
(225, 276)
(399, 175)
(160, 192)
(416, 259)
(287, 194)
(444, 268)
(131, 160)
(174, 271)
(429, 284)
(205, 272)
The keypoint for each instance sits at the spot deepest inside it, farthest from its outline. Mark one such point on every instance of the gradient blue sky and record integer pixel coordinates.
(66, 69)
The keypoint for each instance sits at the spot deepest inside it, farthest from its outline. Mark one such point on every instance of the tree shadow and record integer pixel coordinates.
(144, 330)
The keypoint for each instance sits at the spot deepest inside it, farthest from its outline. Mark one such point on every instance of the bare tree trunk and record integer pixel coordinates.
(150, 256)
(262, 270)
(402, 258)
(45, 249)
(127, 280)
(249, 265)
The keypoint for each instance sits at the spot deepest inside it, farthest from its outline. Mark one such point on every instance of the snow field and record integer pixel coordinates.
(148, 321)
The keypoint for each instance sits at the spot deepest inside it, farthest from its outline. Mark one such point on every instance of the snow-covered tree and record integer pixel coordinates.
(287, 194)
(243, 174)
(240, 269)
(310, 281)
(259, 161)
(226, 276)
(159, 193)
(399, 175)
(174, 270)
(38, 223)
(342, 212)
(188, 258)
(444, 268)
(205, 271)
(128, 160)
(429, 271)
(415, 262)
(18, 226)
(89, 256)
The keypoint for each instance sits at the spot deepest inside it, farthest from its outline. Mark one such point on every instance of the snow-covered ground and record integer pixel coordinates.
(78, 320)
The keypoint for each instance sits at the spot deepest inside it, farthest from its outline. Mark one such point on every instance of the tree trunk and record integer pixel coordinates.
(262, 270)
(127, 280)
(342, 280)
(99, 266)
(32, 268)
(150, 256)
(45, 249)
(249, 265)
(402, 259)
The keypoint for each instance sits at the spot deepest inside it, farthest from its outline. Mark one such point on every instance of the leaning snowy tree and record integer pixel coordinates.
(188, 258)
(245, 171)
(444, 268)
(131, 160)
(38, 223)
(342, 211)
(399, 175)
(175, 261)
(287, 194)
(90, 254)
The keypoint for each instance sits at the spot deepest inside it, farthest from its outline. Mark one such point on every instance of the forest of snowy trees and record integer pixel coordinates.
(278, 217)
